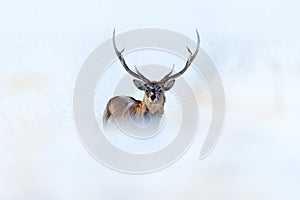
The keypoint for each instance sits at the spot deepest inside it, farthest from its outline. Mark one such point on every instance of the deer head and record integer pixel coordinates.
(154, 90)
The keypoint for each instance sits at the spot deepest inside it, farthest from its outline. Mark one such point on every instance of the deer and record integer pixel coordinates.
(152, 104)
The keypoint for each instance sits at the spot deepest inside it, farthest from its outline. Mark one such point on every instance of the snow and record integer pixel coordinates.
(255, 47)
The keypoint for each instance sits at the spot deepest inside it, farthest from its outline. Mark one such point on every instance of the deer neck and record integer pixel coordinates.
(153, 108)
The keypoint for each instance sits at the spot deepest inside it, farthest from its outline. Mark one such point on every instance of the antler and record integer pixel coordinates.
(187, 64)
(122, 60)
(168, 74)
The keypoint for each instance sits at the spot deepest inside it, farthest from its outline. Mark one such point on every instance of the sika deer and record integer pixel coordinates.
(154, 99)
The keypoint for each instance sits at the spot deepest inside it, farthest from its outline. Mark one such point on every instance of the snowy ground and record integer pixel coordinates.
(255, 47)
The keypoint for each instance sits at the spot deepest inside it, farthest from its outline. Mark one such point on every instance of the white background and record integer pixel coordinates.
(254, 45)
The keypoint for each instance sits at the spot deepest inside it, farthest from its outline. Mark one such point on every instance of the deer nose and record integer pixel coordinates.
(152, 97)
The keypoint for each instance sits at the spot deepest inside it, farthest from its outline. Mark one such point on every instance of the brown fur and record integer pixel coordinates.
(126, 105)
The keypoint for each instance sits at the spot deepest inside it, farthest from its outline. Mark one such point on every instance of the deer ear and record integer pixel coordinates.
(139, 84)
(169, 84)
